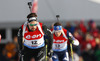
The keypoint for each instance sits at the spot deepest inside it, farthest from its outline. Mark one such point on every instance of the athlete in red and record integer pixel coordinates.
(60, 39)
(31, 40)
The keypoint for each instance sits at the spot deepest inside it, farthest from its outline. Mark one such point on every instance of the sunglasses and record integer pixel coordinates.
(32, 24)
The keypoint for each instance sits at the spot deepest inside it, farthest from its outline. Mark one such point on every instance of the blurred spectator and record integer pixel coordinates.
(93, 28)
(89, 40)
(88, 47)
(10, 52)
(97, 53)
(83, 27)
(78, 36)
(77, 28)
(87, 54)
(97, 49)
(15, 41)
(69, 27)
(90, 24)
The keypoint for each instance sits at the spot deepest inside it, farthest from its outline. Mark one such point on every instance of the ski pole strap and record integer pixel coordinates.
(39, 27)
(64, 34)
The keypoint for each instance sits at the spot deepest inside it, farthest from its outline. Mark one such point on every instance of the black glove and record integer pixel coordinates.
(71, 40)
(21, 52)
(21, 55)
(50, 53)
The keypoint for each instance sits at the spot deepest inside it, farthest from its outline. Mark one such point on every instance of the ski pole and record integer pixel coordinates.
(71, 51)
(30, 6)
(46, 53)
(57, 16)
(21, 57)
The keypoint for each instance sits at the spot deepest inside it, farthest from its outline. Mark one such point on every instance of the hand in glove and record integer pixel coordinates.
(21, 52)
(71, 40)
(50, 53)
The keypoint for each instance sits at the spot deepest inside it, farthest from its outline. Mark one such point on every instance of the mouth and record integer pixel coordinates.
(33, 29)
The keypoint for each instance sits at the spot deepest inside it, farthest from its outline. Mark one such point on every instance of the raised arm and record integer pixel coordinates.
(49, 41)
(72, 39)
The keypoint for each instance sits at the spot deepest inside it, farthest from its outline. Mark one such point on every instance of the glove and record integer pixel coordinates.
(70, 40)
(21, 52)
(50, 53)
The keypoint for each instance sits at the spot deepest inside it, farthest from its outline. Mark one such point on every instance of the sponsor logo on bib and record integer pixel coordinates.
(59, 41)
(34, 36)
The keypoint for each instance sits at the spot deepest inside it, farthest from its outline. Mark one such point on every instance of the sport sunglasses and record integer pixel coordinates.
(32, 24)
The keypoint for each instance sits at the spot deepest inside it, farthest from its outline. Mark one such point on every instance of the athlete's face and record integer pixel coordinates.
(58, 33)
(32, 25)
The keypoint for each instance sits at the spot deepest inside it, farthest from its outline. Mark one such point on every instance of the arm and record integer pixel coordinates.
(20, 38)
(72, 39)
(48, 33)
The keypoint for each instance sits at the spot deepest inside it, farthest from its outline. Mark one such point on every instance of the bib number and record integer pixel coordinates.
(57, 45)
(34, 42)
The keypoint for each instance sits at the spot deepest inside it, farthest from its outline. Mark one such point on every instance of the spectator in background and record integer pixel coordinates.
(10, 52)
(93, 28)
(88, 46)
(87, 54)
(77, 28)
(89, 40)
(89, 24)
(97, 48)
(82, 27)
(69, 27)
(78, 36)
(15, 39)
(97, 51)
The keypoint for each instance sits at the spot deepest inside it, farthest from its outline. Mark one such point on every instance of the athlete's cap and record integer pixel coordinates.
(57, 27)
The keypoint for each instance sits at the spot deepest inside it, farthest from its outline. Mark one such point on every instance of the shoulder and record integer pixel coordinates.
(22, 26)
(51, 29)
(64, 30)
(40, 23)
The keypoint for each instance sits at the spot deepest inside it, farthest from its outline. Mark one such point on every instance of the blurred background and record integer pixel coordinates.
(80, 17)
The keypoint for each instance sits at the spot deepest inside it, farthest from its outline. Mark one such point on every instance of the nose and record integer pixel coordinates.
(34, 26)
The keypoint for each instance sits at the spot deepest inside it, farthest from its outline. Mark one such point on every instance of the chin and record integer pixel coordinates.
(33, 29)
